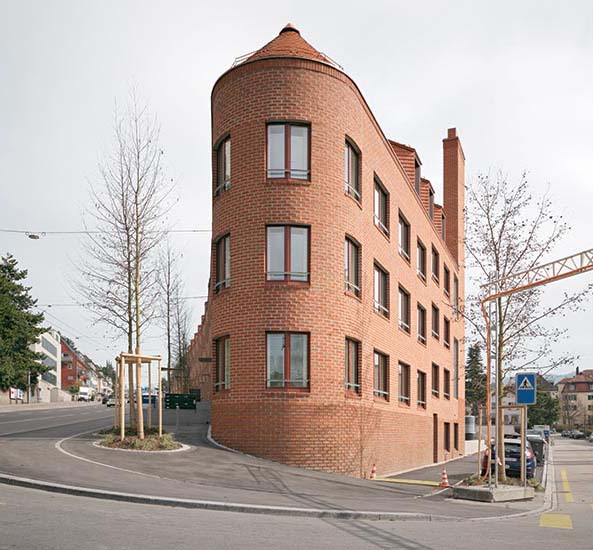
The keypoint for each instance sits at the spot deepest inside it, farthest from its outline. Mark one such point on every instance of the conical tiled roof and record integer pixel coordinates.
(289, 43)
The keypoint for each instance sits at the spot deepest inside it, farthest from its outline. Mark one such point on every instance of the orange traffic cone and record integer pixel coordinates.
(373, 471)
(444, 479)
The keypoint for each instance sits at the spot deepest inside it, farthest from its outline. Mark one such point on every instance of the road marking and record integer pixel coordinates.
(555, 521)
(566, 487)
(409, 481)
(32, 419)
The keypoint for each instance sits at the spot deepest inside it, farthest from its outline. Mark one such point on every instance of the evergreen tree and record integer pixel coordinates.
(20, 327)
(545, 411)
(475, 379)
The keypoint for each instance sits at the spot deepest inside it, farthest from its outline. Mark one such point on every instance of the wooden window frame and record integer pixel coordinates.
(350, 286)
(221, 382)
(381, 376)
(447, 436)
(435, 255)
(446, 383)
(446, 332)
(435, 333)
(224, 282)
(287, 274)
(287, 173)
(402, 221)
(349, 149)
(421, 247)
(381, 309)
(421, 389)
(435, 381)
(403, 379)
(287, 365)
(352, 365)
(421, 335)
(382, 226)
(446, 280)
(221, 183)
(403, 325)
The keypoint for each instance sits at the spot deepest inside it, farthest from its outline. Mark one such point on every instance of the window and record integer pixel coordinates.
(223, 263)
(435, 264)
(446, 280)
(417, 176)
(446, 383)
(431, 203)
(223, 363)
(590, 397)
(381, 375)
(446, 332)
(288, 151)
(571, 386)
(287, 253)
(456, 436)
(288, 360)
(381, 291)
(443, 226)
(455, 296)
(381, 208)
(48, 346)
(352, 365)
(404, 237)
(352, 267)
(455, 368)
(352, 171)
(421, 260)
(435, 380)
(403, 382)
(447, 436)
(223, 166)
(421, 321)
(404, 309)
(435, 322)
(421, 389)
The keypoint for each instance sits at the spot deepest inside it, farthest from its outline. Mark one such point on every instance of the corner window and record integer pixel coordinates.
(352, 171)
(436, 259)
(421, 389)
(381, 208)
(404, 309)
(435, 322)
(421, 322)
(404, 237)
(352, 267)
(223, 363)
(446, 383)
(435, 380)
(287, 360)
(404, 383)
(287, 253)
(446, 332)
(381, 291)
(381, 375)
(223, 166)
(288, 151)
(352, 365)
(421, 260)
(223, 263)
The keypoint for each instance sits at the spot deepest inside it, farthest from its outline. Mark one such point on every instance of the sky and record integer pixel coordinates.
(514, 78)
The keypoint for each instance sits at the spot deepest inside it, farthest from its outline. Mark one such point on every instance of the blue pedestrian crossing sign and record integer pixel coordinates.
(525, 388)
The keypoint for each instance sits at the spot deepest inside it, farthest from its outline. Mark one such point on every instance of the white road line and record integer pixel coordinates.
(31, 419)
(55, 426)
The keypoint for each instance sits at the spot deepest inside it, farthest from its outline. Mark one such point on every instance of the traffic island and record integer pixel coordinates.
(502, 493)
(131, 442)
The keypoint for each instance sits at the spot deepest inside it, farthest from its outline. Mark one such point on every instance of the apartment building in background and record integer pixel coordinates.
(332, 339)
(46, 388)
(576, 400)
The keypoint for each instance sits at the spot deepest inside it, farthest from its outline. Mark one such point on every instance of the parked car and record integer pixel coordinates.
(512, 456)
(590, 438)
(538, 444)
(565, 433)
(577, 434)
(104, 399)
(110, 401)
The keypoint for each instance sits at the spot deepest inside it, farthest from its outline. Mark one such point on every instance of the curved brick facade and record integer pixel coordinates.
(325, 427)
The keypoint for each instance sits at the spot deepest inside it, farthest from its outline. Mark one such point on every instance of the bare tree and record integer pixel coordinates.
(181, 319)
(510, 231)
(118, 277)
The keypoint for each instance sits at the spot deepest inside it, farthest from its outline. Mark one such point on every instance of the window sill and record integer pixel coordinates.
(421, 407)
(222, 290)
(382, 315)
(224, 391)
(435, 279)
(380, 230)
(435, 395)
(289, 181)
(279, 392)
(447, 345)
(356, 201)
(352, 295)
(422, 278)
(421, 341)
(378, 399)
(405, 404)
(351, 394)
(288, 284)
(405, 257)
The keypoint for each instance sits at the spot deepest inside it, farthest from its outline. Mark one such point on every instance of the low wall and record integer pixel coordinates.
(471, 446)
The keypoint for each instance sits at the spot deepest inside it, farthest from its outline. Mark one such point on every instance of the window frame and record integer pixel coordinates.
(456, 436)
(455, 368)
(405, 325)
(435, 258)
(421, 247)
(223, 183)
(287, 273)
(224, 368)
(446, 280)
(421, 336)
(287, 363)
(403, 226)
(380, 375)
(287, 172)
(446, 332)
(421, 389)
(351, 287)
(350, 190)
(447, 436)
(446, 383)
(382, 226)
(455, 296)
(435, 381)
(381, 308)
(224, 282)
(352, 365)
(435, 316)
(403, 382)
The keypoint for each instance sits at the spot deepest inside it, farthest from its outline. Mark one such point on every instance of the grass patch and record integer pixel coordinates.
(151, 441)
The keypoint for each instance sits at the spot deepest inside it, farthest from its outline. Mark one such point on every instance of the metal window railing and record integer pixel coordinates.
(381, 308)
(224, 186)
(404, 253)
(381, 225)
(422, 338)
(381, 393)
(404, 325)
(351, 287)
(352, 191)
(292, 275)
(351, 386)
(225, 283)
(294, 173)
(283, 383)
(404, 399)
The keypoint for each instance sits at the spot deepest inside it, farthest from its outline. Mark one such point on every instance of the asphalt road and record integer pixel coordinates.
(32, 519)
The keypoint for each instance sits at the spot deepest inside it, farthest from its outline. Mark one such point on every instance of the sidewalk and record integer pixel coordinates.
(45, 406)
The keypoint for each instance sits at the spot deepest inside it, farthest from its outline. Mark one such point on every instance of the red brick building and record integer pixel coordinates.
(335, 278)
(73, 368)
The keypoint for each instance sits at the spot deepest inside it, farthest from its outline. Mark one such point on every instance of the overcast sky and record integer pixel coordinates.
(515, 78)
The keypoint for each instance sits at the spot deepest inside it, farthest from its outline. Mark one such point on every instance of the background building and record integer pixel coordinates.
(47, 387)
(333, 325)
(576, 400)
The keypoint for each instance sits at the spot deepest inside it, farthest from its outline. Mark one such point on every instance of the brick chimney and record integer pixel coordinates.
(454, 193)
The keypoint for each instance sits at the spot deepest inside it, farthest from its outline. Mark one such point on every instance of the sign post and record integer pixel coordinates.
(526, 392)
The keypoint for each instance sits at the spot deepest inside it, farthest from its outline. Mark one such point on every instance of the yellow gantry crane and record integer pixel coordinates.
(557, 270)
